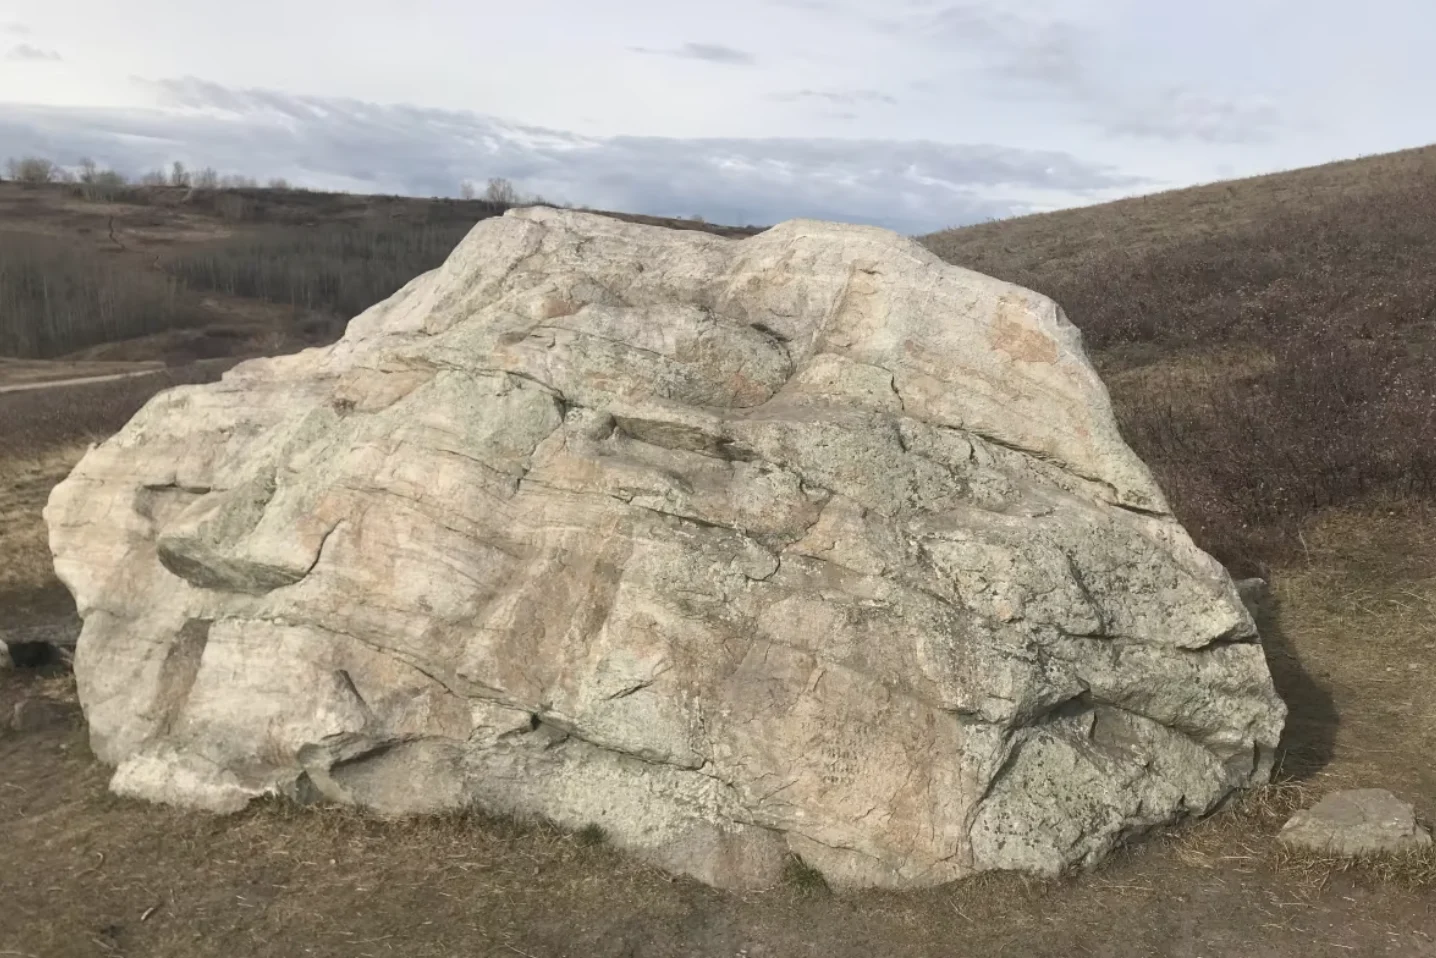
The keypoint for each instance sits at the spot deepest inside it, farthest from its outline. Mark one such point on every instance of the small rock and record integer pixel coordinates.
(33, 715)
(1363, 821)
(6, 664)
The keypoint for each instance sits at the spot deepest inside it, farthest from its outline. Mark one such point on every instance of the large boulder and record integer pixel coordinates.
(807, 543)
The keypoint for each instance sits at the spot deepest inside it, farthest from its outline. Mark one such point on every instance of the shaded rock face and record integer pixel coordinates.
(807, 543)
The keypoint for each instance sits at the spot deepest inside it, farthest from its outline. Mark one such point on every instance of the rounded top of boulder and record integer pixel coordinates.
(862, 317)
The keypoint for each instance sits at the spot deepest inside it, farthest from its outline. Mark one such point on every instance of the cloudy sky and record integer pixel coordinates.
(914, 114)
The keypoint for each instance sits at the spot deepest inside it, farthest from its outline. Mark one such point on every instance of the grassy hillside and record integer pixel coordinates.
(1270, 343)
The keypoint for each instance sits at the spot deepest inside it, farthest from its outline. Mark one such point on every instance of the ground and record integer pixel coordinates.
(1352, 641)
(1350, 631)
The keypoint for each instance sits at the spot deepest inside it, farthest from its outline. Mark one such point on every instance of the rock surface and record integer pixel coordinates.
(805, 543)
(1254, 594)
(1363, 821)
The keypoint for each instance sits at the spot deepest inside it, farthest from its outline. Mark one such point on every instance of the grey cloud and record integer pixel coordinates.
(1028, 56)
(25, 51)
(1180, 114)
(914, 186)
(839, 97)
(15, 28)
(810, 6)
(709, 52)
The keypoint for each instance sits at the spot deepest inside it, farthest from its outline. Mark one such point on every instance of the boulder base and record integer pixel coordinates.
(803, 543)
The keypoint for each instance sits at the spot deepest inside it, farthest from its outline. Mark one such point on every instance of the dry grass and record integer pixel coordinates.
(804, 878)
(1241, 838)
(25, 484)
(1316, 282)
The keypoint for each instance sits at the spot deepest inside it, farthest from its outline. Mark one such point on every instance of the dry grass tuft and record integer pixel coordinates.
(804, 878)
(1413, 870)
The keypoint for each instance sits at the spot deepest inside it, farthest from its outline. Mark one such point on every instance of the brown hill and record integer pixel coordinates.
(1270, 342)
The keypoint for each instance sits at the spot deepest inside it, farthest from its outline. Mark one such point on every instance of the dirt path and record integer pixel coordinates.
(77, 381)
(27, 377)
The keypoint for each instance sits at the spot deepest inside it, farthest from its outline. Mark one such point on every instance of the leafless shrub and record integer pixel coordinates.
(32, 170)
(98, 184)
(501, 191)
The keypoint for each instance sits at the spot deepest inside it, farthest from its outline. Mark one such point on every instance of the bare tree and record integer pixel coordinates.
(278, 183)
(502, 191)
(98, 184)
(31, 169)
(154, 178)
(467, 190)
(207, 179)
(233, 181)
(179, 176)
(106, 185)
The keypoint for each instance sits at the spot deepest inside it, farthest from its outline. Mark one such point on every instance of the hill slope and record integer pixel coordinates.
(1270, 343)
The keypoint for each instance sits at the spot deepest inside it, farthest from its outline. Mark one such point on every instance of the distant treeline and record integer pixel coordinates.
(325, 253)
(334, 269)
(57, 297)
(97, 183)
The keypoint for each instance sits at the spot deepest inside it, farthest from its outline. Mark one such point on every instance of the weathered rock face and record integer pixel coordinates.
(807, 543)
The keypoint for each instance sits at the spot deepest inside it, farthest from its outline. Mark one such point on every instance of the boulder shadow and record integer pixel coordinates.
(1308, 742)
